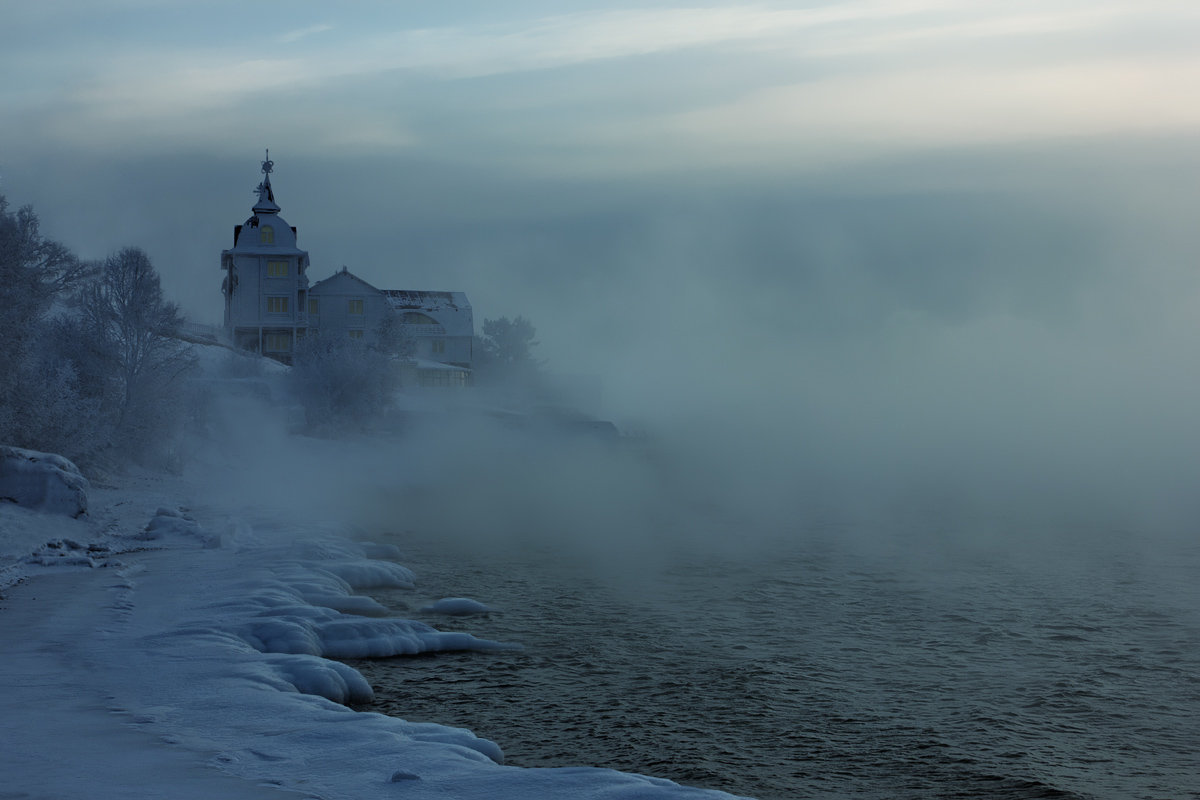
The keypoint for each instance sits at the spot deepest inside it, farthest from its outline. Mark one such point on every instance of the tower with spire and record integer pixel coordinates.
(269, 304)
(266, 281)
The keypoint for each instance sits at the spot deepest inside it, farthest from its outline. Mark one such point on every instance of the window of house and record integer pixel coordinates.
(266, 235)
(356, 307)
(437, 346)
(277, 269)
(277, 305)
(314, 305)
(356, 334)
(277, 343)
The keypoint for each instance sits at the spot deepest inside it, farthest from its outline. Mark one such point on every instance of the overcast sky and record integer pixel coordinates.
(904, 210)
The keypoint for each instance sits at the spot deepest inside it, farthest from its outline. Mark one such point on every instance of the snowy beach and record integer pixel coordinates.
(165, 646)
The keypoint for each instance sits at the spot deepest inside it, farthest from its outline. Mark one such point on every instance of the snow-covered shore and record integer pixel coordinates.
(165, 646)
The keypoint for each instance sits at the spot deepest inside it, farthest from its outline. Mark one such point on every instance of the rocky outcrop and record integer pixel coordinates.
(42, 481)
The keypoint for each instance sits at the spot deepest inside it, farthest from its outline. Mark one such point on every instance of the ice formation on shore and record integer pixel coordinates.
(210, 635)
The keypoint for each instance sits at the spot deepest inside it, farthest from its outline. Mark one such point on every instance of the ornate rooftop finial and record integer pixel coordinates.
(266, 195)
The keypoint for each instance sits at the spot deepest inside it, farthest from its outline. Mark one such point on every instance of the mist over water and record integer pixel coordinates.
(822, 672)
(719, 606)
(913, 515)
(920, 651)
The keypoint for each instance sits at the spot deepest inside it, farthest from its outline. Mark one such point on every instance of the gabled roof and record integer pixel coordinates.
(410, 299)
(403, 299)
(342, 274)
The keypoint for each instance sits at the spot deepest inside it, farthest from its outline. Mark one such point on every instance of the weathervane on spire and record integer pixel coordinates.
(266, 195)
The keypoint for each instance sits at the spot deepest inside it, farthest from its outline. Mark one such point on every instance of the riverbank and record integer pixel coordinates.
(171, 646)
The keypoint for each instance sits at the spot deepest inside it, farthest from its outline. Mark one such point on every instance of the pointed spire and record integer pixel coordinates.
(266, 196)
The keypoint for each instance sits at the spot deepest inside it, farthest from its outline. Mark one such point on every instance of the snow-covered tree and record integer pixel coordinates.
(504, 360)
(39, 402)
(132, 332)
(392, 337)
(34, 271)
(341, 382)
(508, 344)
(88, 358)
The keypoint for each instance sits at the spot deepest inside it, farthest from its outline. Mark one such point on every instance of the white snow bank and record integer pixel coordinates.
(371, 574)
(23, 530)
(457, 607)
(173, 522)
(325, 632)
(380, 550)
(214, 657)
(319, 676)
(42, 481)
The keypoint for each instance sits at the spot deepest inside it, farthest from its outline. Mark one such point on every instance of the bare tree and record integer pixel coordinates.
(34, 272)
(78, 377)
(134, 329)
(33, 269)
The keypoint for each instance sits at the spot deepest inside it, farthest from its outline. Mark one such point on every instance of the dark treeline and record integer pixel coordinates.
(90, 362)
(505, 365)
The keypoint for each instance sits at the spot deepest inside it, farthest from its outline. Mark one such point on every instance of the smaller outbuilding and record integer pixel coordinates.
(433, 330)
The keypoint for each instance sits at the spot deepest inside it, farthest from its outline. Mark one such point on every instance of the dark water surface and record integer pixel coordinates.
(829, 669)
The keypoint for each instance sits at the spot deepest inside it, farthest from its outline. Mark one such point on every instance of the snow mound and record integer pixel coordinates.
(360, 574)
(355, 564)
(357, 604)
(309, 608)
(318, 676)
(42, 481)
(331, 634)
(457, 607)
(381, 551)
(173, 522)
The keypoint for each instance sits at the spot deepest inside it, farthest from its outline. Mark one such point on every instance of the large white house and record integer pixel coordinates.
(269, 304)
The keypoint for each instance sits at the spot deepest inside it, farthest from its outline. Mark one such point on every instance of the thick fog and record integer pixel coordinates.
(981, 354)
(860, 264)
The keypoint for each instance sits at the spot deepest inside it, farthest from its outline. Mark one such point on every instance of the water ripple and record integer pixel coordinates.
(823, 673)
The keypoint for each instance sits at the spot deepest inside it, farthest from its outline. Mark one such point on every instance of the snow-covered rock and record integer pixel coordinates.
(457, 607)
(172, 522)
(42, 481)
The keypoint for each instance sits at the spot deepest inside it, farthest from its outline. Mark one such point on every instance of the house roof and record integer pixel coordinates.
(247, 237)
(342, 274)
(419, 300)
(451, 310)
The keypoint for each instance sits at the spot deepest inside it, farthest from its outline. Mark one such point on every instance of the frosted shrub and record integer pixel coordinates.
(342, 383)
